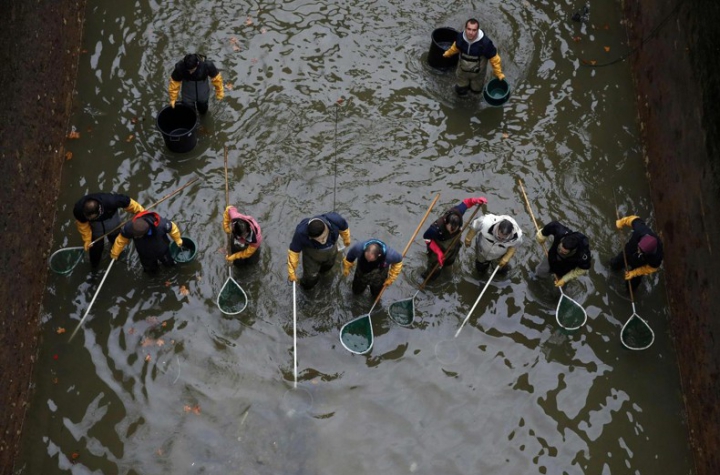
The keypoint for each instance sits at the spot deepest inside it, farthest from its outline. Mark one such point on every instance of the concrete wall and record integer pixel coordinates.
(678, 88)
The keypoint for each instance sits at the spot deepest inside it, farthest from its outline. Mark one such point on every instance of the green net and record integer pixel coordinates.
(570, 314)
(63, 261)
(402, 312)
(636, 334)
(232, 299)
(357, 335)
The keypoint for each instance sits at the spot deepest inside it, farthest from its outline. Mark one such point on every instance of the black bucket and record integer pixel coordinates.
(442, 40)
(177, 126)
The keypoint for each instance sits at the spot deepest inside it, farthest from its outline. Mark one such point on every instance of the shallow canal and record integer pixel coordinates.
(159, 381)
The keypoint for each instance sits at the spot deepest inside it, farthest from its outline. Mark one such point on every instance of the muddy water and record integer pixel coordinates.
(159, 381)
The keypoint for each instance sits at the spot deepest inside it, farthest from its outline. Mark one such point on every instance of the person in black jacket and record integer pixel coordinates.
(151, 235)
(644, 251)
(96, 214)
(475, 49)
(569, 254)
(191, 75)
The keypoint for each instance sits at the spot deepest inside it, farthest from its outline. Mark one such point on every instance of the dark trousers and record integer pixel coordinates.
(151, 263)
(618, 263)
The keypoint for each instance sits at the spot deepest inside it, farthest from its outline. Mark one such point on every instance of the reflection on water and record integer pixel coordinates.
(160, 381)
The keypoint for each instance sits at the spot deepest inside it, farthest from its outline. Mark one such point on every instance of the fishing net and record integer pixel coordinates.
(636, 334)
(232, 299)
(357, 335)
(63, 261)
(402, 312)
(570, 314)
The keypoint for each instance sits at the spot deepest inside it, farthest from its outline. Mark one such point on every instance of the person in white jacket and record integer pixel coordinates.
(497, 238)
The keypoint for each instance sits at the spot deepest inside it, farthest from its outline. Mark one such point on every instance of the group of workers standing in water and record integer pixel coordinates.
(316, 240)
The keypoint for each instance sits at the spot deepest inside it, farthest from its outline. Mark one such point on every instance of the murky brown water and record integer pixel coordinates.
(161, 382)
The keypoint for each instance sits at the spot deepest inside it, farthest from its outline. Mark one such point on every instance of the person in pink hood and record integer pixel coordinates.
(246, 237)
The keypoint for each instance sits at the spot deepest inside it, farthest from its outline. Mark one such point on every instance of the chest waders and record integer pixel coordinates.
(154, 248)
(196, 92)
(99, 228)
(471, 73)
(450, 254)
(373, 278)
(316, 262)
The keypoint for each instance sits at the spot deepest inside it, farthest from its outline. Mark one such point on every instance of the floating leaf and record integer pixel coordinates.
(505, 135)
(134, 120)
(236, 48)
(74, 135)
(60, 330)
(68, 155)
(229, 86)
(147, 357)
(147, 342)
(164, 324)
(55, 380)
(130, 138)
(159, 342)
(184, 290)
(131, 331)
(249, 21)
(593, 62)
(577, 38)
(607, 49)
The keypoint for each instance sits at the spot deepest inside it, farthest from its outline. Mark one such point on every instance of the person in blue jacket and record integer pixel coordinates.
(316, 238)
(377, 266)
(475, 50)
(440, 237)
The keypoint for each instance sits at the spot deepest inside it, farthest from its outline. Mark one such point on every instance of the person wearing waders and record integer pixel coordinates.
(644, 251)
(377, 266)
(496, 239)
(475, 50)
(246, 237)
(569, 254)
(316, 238)
(151, 235)
(191, 75)
(440, 235)
(97, 214)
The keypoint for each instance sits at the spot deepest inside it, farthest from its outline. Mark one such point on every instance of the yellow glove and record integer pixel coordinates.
(120, 243)
(497, 69)
(644, 270)
(469, 237)
(347, 266)
(292, 262)
(134, 207)
(346, 236)
(175, 235)
(87, 245)
(393, 274)
(506, 257)
(244, 254)
(85, 233)
(451, 51)
(627, 221)
(226, 220)
(217, 82)
(174, 90)
(573, 274)
(540, 237)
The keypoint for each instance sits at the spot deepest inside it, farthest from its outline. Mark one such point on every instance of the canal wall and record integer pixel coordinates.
(675, 71)
(677, 80)
(39, 46)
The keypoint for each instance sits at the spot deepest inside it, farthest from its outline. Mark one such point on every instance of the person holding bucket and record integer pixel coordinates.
(442, 237)
(96, 214)
(475, 50)
(377, 266)
(193, 75)
(569, 254)
(643, 251)
(497, 239)
(151, 235)
(316, 238)
(246, 237)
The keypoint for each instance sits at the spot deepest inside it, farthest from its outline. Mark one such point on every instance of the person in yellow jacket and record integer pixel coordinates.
(316, 238)
(644, 251)
(475, 50)
(246, 237)
(377, 266)
(96, 214)
(151, 235)
(191, 76)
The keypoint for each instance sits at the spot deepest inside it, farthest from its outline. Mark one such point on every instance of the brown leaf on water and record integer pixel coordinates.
(236, 48)
(593, 62)
(60, 330)
(159, 342)
(68, 155)
(249, 21)
(164, 324)
(607, 49)
(55, 380)
(187, 408)
(147, 357)
(130, 138)
(505, 135)
(577, 38)
(184, 290)
(74, 135)
(229, 86)
(134, 120)
(147, 342)
(131, 331)
(196, 409)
